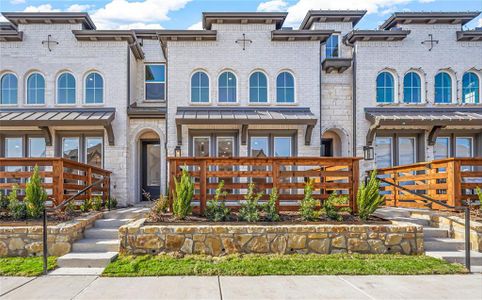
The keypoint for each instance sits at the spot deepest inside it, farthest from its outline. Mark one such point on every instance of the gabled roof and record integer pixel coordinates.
(353, 16)
(244, 18)
(300, 35)
(429, 18)
(111, 35)
(50, 17)
(376, 35)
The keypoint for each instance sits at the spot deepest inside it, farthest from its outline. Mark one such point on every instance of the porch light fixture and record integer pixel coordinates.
(368, 153)
(177, 151)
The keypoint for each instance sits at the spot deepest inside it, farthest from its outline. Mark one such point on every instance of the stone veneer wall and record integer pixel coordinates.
(137, 238)
(27, 240)
(456, 228)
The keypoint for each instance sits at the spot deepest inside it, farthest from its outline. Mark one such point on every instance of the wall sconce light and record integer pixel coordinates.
(368, 153)
(177, 151)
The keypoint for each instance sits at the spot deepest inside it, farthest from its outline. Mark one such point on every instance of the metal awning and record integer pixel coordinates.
(436, 117)
(246, 116)
(45, 117)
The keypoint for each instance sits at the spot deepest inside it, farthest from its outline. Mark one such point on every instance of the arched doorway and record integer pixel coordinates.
(150, 165)
(334, 143)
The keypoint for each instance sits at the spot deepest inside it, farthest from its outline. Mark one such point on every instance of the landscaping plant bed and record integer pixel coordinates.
(256, 265)
(52, 219)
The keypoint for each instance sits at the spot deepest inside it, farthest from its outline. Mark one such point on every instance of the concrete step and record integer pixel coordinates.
(126, 213)
(77, 272)
(86, 259)
(111, 223)
(476, 269)
(422, 222)
(96, 245)
(102, 233)
(443, 244)
(390, 212)
(433, 232)
(457, 256)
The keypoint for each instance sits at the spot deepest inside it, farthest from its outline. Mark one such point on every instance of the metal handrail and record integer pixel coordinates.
(466, 210)
(60, 206)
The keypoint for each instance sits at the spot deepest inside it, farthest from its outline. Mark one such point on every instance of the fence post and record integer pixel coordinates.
(89, 182)
(172, 175)
(275, 178)
(355, 183)
(395, 189)
(453, 183)
(202, 186)
(58, 181)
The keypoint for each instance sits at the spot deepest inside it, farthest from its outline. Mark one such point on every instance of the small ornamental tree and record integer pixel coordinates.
(35, 195)
(270, 209)
(308, 205)
(16, 208)
(184, 191)
(330, 206)
(249, 210)
(368, 197)
(216, 209)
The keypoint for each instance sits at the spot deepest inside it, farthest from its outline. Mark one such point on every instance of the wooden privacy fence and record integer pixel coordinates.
(61, 177)
(452, 181)
(287, 174)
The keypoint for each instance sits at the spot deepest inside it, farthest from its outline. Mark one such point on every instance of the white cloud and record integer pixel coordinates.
(118, 13)
(17, 2)
(480, 22)
(79, 7)
(139, 26)
(196, 26)
(425, 1)
(273, 5)
(41, 8)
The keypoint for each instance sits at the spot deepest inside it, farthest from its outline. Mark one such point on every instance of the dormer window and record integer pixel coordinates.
(155, 82)
(332, 48)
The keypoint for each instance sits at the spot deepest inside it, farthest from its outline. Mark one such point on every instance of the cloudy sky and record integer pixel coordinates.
(186, 14)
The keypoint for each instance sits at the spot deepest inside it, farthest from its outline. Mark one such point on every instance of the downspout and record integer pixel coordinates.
(354, 129)
(321, 112)
(128, 77)
(166, 184)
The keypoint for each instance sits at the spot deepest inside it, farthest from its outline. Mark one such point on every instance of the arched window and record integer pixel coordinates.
(36, 89)
(94, 89)
(412, 89)
(8, 85)
(258, 88)
(470, 88)
(200, 87)
(227, 87)
(285, 88)
(385, 88)
(66, 89)
(443, 88)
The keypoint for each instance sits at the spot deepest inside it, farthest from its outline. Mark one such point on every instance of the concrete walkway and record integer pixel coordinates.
(266, 287)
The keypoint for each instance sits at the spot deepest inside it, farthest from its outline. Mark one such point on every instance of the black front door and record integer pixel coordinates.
(327, 147)
(151, 169)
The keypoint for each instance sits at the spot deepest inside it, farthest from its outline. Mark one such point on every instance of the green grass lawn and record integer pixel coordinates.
(297, 264)
(24, 266)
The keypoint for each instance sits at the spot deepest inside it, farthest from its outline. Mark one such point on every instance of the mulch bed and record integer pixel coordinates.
(52, 219)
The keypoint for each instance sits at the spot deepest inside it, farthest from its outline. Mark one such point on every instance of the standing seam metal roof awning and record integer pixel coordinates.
(45, 117)
(246, 116)
(437, 117)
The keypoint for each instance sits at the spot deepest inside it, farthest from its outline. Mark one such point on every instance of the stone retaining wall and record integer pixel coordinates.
(456, 228)
(138, 238)
(27, 240)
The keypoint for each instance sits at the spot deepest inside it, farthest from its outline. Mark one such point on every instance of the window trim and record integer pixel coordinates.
(231, 137)
(213, 134)
(270, 134)
(16, 99)
(422, 87)
(84, 98)
(209, 88)
(479, 77)
(295, 99)
(25, 135)
(57, 89)
(165, 82)
(82, 135)
(453, 94)
(27, 92)
(236, 87)
(395, 87)
(193, 150)
(472, 144)
(268, 102)
(415, 147)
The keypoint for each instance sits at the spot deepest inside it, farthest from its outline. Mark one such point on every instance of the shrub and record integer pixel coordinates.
(478, 191)
(112, 203)
(161, 205)
(216, 210)
(249, 210)
(17, 208)
(86, 206)
(330, 206)
(270, 209)
(368, 197)
(308, 205)
(96, 203)
(35, 195)
(184, 191)
(3, 201)
(70, 208)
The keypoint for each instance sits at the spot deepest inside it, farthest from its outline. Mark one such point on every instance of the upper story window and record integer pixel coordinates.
(200, 87)
(412, 89)
(94, 89)
(443, 88)
(332, 48)
(66, 89)
(227, 87)
(36, 89)
(155, 82)
(258, 88)
(9, 89)
(385, 88)
(285, 88)
(470, 88)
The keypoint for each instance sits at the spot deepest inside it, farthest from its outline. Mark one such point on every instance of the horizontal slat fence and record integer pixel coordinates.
(61, 177)
(452, 181)
(287, 174)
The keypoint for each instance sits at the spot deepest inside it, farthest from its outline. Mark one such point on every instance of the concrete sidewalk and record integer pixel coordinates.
(265, 287)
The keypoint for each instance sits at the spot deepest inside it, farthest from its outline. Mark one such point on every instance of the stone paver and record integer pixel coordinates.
(9, 283)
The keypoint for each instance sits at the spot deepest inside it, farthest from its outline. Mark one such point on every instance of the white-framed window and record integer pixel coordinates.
(200, 87)
(35, 89)
(332, 47)
(412, 88)
(155, 82)
(94, 88)
(8, 89)
(385, 88)
(443, 88)
(470, 88)
(201, 146)
(66, 88)
(441, 149)
(285, 88)
(227, 87)
(258, 88)
(94, 151)
(383, 152)
(407, 150)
